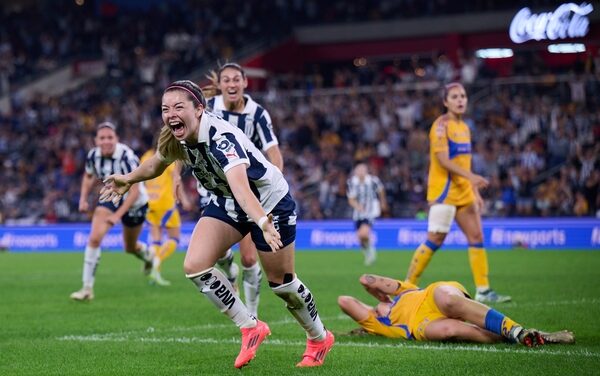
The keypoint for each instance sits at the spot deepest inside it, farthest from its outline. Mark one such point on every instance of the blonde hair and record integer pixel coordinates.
(170, 147)
(212, 89)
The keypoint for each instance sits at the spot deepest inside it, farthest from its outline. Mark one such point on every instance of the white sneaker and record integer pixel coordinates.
(157, 279)
(490, 296)
(86, 293)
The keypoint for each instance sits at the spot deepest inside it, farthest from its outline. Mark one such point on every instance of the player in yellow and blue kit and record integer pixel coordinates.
(163, 193)
(453, 193)
(443, 311)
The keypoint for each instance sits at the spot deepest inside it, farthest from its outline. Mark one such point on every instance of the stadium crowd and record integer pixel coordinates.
(538, 143)
(186, 35)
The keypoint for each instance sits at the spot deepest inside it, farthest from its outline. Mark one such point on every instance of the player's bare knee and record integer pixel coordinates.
(193, 267)
(448, 332)
(450, 304)
(248, 260)
(94, 242)
(436, 237)
(475, 237)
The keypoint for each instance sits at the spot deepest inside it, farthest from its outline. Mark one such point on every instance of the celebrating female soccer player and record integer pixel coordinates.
(443, 311)
(111, 157)
(453, 193)
(248, 195)
(241, 111)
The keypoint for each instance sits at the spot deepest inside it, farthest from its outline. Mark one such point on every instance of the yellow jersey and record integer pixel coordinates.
(412, 309)
(160, 189)
(451, 136)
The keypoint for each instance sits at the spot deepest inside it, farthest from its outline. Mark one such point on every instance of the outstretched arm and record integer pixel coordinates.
(380, 287)
(115, 186)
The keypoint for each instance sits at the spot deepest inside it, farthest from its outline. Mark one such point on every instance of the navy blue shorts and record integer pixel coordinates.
(360, 222)
(133, 218)
(284, 220)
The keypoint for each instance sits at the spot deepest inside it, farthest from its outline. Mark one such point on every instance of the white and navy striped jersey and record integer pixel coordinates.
(122, 162)
(222, 146)
(254, 121)
(366, 193)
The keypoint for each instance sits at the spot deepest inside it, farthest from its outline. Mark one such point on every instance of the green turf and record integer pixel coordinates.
(135, 329)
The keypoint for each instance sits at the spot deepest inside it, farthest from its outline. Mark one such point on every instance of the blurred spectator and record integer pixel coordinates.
(538, 145)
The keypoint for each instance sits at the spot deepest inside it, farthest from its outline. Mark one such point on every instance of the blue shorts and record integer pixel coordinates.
(133, 218)
(360, 222)
(284, 219)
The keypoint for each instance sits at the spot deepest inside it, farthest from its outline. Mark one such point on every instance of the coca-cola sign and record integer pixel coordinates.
(567, 21)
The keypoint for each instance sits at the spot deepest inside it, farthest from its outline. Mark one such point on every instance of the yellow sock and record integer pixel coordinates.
(507, 325)
(167, 249)
(420, 260)
(497, 323)
(479, 266)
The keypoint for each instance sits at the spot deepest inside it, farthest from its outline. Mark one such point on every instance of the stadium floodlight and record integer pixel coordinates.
(566, 48)
(494, 53)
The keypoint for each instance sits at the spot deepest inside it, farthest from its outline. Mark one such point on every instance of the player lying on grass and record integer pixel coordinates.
(443, 311)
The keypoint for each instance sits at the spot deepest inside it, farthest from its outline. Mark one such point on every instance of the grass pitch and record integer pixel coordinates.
(132, 328)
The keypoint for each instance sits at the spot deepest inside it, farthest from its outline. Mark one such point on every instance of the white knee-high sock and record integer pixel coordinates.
(218, 290)
(301, 304)
(91, 259)
(252, 277)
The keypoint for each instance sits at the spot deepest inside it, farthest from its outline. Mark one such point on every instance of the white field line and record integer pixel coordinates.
(551, 303)
(137, 335)
(371, 345)
(344, 317)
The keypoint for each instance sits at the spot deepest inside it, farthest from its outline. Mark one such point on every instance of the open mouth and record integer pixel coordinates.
(178, 128)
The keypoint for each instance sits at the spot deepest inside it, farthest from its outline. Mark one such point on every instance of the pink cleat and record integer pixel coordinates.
(251, 339)
(316, 351)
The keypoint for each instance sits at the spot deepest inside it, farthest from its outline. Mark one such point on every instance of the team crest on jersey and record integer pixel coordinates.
(228, 149)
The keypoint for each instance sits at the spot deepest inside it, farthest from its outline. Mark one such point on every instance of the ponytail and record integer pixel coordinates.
(212, 89)
(170, 147)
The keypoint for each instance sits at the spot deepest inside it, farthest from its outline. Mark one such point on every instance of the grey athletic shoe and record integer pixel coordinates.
(490, 296)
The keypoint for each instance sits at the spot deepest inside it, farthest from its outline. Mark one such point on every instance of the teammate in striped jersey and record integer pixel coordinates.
(453, 193)
(366, 195)
(248, 195)
(107, 158)
(242, 111)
